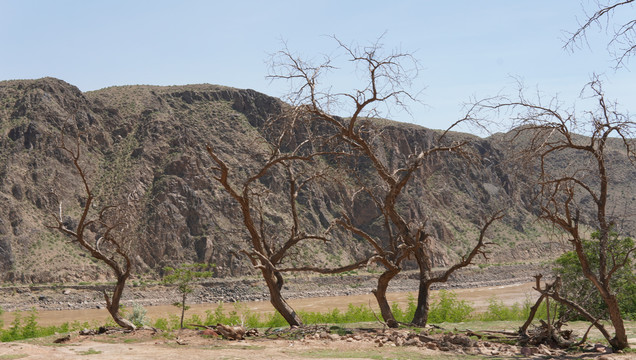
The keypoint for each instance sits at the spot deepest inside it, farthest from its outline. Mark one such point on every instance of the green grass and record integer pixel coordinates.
(13, 356)
(221, 346)
(448, 308)
(90, 351)
(448, 312)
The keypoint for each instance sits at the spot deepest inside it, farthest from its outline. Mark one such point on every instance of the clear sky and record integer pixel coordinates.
(466, 48)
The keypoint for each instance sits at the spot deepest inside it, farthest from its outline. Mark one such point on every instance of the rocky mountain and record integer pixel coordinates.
(149, 142)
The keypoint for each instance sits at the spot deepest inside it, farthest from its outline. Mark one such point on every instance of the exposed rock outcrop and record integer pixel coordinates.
(149, 141)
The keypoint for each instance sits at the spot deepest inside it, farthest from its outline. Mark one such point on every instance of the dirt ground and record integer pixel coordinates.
(315, 344)
(201, 349)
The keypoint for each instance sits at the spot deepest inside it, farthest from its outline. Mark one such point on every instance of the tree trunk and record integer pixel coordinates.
(121, 321)
(183, 308)
(275, 284)
(619, 341)
(523, 330)
(380, 295)
(420, 318)
(112, 303)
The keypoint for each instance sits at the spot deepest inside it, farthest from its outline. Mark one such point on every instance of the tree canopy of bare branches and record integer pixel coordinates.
(291, 164)
(623, 42)
(544, 132)
(104, 233)
(387, 79)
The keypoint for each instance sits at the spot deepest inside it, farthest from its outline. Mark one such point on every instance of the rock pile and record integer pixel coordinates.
(447, 342)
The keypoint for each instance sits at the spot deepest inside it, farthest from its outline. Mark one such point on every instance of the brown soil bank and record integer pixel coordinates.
(478, 297)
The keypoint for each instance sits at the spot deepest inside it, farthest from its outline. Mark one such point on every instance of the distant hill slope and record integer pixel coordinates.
(150, 140)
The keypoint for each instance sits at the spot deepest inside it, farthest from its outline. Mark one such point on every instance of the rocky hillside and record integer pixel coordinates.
(149, 141)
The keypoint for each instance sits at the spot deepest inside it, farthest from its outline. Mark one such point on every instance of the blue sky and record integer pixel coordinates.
(466, 48)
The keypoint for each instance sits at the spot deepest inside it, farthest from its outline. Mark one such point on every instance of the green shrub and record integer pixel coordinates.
(398, 314)
(64, 328)
(26, 328)
(13, 333)
(449, 309)
(276, 320)
(161, 324)
(542, 311)
(219, 316)
(194, 319)
(174, 322)
(353, 314)
(359, 313)
(253, 320)
(215, 317)
(411, 307)
(623, 281)
(497, 311)
(30, 328)
(138, 315)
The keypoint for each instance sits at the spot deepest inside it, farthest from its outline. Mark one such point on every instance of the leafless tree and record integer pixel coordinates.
(293, 171)
(387, 79)
(104, 234)
(545, 133)
(623, 42)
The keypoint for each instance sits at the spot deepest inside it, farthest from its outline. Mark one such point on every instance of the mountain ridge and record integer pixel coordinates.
(150, 141)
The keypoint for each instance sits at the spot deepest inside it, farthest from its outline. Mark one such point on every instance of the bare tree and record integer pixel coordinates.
(104, 234)
(386, 83)
(546, 133)
(623, 42)
(292, 171)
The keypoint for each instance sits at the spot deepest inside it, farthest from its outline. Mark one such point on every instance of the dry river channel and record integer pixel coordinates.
(57, 305)
(478, 297)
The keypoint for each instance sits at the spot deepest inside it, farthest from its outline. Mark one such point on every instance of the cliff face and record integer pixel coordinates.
(150, 141)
